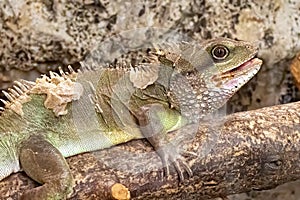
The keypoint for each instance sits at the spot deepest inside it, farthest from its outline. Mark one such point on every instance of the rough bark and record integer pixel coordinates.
(257, 149)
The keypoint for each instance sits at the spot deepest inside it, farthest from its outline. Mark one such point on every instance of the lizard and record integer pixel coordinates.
(65, 114)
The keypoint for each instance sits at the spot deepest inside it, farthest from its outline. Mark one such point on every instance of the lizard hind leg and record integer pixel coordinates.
(44, 163)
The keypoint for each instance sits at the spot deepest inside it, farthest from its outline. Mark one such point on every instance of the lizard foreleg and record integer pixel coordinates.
(155, 131)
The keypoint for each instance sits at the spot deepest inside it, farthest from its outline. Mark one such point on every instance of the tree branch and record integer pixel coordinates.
(257, 149)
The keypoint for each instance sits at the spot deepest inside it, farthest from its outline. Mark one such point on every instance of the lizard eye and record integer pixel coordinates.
(219, 52)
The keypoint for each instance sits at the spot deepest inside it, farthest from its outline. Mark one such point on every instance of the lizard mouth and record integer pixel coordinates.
(238, 76)
(246, 67)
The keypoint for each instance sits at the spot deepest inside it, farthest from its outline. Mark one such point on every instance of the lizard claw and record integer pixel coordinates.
(177, 164)
(169, 155)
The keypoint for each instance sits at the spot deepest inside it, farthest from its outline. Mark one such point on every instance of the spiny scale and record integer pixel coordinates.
(18, 89)
(71, 70)
(8, 96)
(168, 47)
(14, 93)
(62, 73)
(84, 67)
(53, 74)
(121, 64)
(27, 84)
(3, 101)
(23, 86)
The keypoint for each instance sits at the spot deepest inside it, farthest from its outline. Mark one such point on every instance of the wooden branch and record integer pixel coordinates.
(257, 149)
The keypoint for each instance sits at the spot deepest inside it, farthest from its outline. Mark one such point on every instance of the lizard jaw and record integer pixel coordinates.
(243, 68)
(237, 77)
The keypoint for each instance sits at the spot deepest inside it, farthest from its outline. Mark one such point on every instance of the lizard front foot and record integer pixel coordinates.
(170, 156)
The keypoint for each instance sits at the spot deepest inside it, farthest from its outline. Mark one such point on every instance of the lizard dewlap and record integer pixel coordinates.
(66, 114)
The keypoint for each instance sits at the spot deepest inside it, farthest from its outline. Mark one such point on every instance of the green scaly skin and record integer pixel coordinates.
(113, 110)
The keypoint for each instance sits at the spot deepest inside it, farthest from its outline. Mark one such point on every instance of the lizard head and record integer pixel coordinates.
(223, 63)
(228, 65)
(213, 72)
(233, 63)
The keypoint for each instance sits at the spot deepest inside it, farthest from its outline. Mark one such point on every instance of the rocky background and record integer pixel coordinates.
(39, 35)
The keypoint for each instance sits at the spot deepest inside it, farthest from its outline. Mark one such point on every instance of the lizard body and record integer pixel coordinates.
(68, 114)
